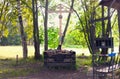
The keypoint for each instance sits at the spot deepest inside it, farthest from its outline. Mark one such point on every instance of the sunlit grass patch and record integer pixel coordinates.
(9, 67)
(83, 61)
(12, 51)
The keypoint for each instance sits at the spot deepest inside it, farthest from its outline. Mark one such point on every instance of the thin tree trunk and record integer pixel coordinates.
(36, 30)
(64, 33)
(45, 27)
(23, 37)
(103, 23)
(85, 36)
(118, 12)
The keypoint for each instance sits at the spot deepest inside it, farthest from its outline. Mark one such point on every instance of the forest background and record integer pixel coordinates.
(77, 34)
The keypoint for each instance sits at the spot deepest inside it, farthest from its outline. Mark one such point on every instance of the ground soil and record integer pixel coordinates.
(80, 73)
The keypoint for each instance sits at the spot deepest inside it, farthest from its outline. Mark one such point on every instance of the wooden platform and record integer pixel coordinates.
(59, 58)
(107, 69)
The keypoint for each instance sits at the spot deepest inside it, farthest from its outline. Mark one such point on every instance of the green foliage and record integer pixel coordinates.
(75, 34)
(53, 37)
(9, 18)
(10, 40)
(9, 68)
(75, 37)
(84, 61)
(41, 33)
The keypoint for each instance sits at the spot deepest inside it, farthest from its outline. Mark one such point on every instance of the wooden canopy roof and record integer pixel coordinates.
(113, 3)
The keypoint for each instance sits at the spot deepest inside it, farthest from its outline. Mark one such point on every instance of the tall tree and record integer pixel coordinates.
(35, 29)
(23, 37)
(45, 26)
(118, 12)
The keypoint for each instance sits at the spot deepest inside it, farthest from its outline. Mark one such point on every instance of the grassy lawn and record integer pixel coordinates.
(9, 67)
(12, 51)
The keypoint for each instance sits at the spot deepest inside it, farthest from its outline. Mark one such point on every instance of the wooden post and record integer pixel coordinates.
(16, 59)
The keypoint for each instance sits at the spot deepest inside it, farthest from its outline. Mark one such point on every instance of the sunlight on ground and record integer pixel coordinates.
(79, 51)
(12, 51)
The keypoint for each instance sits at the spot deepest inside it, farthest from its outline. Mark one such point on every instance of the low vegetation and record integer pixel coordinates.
(10, 67)
(23, 67)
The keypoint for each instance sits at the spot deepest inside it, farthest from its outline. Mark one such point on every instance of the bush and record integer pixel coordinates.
(10, 40)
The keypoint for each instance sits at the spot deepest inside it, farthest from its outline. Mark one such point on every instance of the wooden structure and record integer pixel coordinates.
(104, 69)
(61, 9)
(104, 42)
(59, 58)
(103, 62)
(111, 3)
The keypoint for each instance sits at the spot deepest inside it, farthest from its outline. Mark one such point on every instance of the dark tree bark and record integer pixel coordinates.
(118, 12)
(45, 27)
(23, 37)
(36, 30)
(103, 23)
(64, 33)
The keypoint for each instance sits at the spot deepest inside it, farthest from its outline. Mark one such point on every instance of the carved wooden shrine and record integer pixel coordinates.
(59, 57)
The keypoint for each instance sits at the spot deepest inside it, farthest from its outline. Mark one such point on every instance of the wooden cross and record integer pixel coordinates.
(60, 11)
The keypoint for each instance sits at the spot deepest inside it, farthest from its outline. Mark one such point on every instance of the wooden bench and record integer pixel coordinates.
(104, 67)
(108, 69)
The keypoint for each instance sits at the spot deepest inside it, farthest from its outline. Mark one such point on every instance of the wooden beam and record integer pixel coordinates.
(100, 19)
(115, 4)
(65, 11)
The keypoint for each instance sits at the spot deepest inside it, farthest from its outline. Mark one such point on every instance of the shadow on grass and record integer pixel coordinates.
(10, 68)
(23, 67)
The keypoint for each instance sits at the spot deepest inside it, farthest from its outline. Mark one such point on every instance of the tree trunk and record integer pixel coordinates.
(103, 23)
(45, 27)
(119, 27)
(36, 30)
(23, 37)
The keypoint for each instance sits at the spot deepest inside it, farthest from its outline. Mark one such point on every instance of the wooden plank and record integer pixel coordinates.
(96, 20)
(108, 68)
(62, 11)
(115, 5)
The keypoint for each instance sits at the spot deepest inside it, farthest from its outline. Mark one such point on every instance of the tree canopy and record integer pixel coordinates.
(84, 26)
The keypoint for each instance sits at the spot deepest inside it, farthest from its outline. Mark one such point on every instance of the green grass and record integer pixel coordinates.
(83, 61)
(9, 67)
(12, 51)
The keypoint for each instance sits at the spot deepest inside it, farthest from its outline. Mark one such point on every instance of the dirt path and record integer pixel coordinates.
(57, 74)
